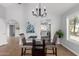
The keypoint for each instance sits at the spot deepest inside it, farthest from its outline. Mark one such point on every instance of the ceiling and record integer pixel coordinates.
(55, 8)
(60, 8)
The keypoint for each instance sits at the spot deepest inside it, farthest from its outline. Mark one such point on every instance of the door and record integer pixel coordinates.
(12, 30)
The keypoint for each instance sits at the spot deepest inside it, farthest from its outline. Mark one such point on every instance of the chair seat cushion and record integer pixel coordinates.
(50, 46)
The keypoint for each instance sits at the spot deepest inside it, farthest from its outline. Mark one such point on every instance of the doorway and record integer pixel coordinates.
(46, 31)
(11, 30)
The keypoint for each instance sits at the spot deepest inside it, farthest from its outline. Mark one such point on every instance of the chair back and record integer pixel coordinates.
(55, 39)
(33, 43)
(43, 44)
(24, 41)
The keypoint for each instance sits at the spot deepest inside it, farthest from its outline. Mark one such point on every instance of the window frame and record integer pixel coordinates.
(67, 30)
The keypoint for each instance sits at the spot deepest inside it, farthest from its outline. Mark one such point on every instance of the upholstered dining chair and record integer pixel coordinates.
(52, 46)
(25, 46)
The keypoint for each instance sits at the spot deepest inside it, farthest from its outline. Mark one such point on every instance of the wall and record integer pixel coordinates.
(15, 12)
(71, 45)
(55, 20)
(2, 12)
(3, 34)
(23, 13)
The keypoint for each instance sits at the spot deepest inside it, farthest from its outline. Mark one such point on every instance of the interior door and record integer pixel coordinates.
(12, 30)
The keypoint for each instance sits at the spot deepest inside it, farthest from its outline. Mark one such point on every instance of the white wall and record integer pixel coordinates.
(15, 12)
(2, 12)
(73, 46)
(3, 32)
(55, 20)
(23, 13)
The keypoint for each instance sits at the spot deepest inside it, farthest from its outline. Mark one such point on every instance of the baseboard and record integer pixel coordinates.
(70, 49)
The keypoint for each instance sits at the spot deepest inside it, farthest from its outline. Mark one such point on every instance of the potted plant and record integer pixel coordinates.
(60, 33)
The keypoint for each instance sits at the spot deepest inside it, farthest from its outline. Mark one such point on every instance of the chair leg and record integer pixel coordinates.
(21, 51)
(56, 51)
(46, 51)
(25, 51)
(53, 50)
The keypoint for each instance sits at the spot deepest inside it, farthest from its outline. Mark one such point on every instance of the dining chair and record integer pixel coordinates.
(52, 46)
(25, 46)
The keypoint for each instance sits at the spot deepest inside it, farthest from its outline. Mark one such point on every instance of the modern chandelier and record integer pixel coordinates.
(42, 12)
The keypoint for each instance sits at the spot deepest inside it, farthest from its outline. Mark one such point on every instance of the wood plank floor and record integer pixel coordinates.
(62, 51)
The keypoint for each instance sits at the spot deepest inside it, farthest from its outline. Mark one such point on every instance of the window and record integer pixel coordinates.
(73, 28)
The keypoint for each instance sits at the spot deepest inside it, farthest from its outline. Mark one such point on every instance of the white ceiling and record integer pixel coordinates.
(60, 8)
(55, 8)
(6, 4)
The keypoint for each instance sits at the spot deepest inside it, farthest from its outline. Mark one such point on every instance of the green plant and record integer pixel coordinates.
(60, 33)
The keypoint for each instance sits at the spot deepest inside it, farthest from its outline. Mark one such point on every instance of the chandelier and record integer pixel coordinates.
(39, 11)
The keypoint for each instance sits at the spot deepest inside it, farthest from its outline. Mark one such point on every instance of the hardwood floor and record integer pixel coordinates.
(62, 51)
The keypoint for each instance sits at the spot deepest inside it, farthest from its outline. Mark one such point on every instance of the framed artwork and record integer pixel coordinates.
(30, 28)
